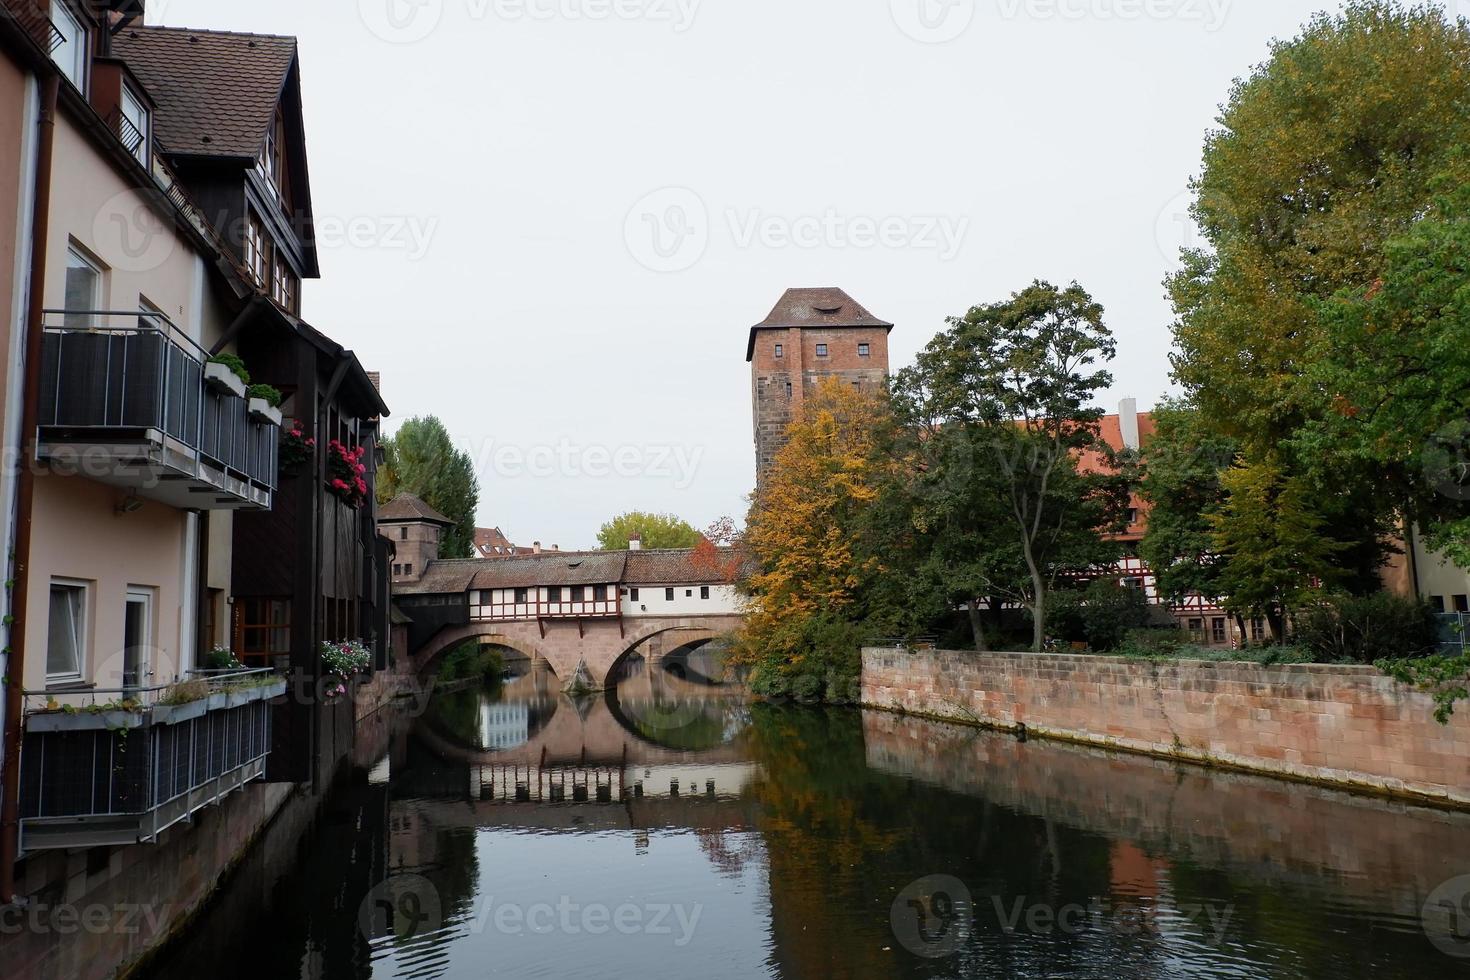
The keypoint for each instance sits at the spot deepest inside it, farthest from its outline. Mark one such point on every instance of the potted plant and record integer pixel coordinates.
(182, 702)
(226, 373)
(265, 404)
(296, 448)
(343, 660)
(345, 474)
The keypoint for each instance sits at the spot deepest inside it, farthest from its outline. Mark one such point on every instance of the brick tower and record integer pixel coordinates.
(812, 334)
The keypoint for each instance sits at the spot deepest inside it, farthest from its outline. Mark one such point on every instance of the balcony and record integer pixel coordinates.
(124, 401)
(111, 768)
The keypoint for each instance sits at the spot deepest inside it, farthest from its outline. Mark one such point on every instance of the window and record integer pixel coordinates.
(408, 568)
(553, 594)
(263, 629)
(397, 569)
(788, 389)
(1197, 629)
(1132, 516)
(272, 160)
(1258, 629)
(780, 350)
(704, 591)
(83, 290)
(285, 287)
(1437, 603)
(599, 593)
(1462, 603)
(1217, 630)
(70, 52)
(65, 638)
(689, 593)
(132, 127)
(523, 596)
(579, 593)
(403, 534)
(864, 350)
(137, 637)
(668, 595)
(257, 250)
(821, 350)
(633, 594)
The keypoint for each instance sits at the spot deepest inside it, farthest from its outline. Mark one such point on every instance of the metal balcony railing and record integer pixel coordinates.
(130, 763)
(1454, 634)
(133, 139)
(134, 383)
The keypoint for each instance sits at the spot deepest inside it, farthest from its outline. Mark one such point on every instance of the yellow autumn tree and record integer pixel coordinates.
(803, 631)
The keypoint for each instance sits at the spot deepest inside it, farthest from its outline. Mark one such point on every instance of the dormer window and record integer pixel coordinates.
(272, 162)
(132, 125)
(70, 51)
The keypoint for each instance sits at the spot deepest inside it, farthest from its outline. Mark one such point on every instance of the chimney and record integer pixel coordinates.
(535, 547)
(1128, 423)
(635, 543)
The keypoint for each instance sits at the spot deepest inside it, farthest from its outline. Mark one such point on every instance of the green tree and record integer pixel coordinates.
(422, 460)
(1012, 385)
(1398, 365)
(1182, 464)
(1324, 154)
(657, 531)
(1273, 550)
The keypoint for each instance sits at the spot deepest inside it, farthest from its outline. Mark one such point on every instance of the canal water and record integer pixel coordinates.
(668, 829)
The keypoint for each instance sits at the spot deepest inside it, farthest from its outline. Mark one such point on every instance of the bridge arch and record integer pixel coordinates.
(489, 634)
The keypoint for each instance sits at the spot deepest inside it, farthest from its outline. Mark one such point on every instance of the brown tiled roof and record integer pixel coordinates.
(677, 568)
(216, 91)
(824, 306)
(407, 508)
(491, 542)
(441, 578)
(601, 568)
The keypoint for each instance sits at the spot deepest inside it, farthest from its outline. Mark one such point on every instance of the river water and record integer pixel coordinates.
(670, 830)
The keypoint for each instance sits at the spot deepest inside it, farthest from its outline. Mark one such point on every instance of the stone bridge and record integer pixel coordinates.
(591, 649)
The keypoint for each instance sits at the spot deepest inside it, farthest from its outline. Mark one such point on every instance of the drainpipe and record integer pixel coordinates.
(26, 490)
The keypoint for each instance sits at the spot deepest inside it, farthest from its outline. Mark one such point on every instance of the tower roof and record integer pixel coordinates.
(408, 509)
(821, 307)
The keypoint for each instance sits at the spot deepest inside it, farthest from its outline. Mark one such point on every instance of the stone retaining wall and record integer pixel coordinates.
(1345, 726)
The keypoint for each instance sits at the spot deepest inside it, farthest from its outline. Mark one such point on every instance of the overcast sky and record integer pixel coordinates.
(552, 222)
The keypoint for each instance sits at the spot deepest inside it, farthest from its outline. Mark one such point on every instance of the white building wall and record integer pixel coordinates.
(687, 600)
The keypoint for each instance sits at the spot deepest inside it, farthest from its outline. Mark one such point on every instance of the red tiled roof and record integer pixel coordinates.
(815, 308)
(216, 91)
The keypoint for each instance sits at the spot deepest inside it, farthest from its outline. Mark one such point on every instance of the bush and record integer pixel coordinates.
(1367, 629)
(817, 658)
(1101, 616)
(222, 658)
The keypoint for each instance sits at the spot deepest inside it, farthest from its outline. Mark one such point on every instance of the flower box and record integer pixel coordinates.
(221, 378)
(84, 721)
(261, 411)
(173, 714)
